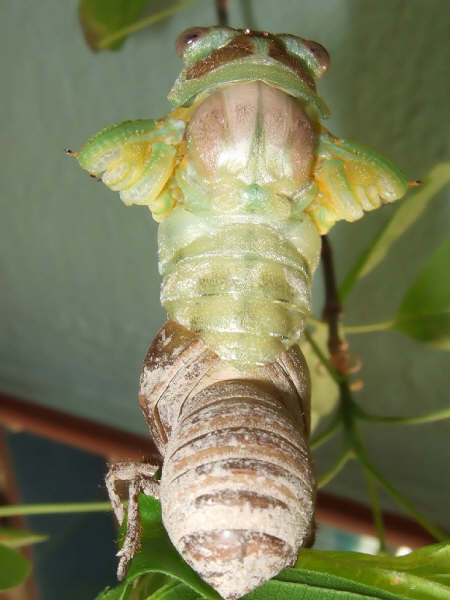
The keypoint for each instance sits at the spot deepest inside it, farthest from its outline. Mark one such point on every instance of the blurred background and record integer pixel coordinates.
(79, 300)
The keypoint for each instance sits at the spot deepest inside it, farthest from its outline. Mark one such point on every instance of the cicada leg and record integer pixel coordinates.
(140, 478)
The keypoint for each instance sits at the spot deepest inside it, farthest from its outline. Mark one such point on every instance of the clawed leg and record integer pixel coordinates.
(140, 477)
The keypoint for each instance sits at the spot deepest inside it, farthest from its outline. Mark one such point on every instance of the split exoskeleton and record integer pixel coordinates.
(244, 180)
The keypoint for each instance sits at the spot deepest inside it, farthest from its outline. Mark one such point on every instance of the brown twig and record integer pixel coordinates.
(332, 313)
(222, 11)
(339, 358)
(333, 307)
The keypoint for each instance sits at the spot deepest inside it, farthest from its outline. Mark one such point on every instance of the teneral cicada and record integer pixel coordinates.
(243, 179)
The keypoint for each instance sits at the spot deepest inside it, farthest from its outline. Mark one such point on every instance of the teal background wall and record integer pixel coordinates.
(79, 298)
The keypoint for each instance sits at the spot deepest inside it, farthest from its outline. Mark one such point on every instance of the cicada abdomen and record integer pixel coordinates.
(237, 489)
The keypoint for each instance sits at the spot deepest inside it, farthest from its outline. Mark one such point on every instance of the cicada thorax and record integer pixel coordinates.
(238, 254)
(237, 489)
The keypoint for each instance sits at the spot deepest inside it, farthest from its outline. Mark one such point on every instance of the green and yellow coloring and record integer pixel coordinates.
(243, 179)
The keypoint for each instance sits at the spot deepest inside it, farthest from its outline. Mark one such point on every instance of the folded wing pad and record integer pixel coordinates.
(351, 179)
(137, 159)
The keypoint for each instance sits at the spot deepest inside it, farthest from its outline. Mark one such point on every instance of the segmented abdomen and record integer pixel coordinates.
(237, 488)
(242, 288)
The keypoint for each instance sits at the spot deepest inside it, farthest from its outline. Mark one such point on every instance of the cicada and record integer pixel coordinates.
(243, 180)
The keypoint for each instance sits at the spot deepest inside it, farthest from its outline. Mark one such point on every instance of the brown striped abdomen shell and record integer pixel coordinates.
(237, 489)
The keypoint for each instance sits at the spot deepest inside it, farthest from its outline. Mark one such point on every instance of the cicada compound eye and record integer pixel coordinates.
(187, 38)
(319, 53)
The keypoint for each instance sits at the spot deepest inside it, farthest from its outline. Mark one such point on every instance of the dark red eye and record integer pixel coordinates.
(188, 37)
(319, 52)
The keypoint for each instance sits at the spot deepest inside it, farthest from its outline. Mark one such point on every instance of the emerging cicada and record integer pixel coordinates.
(243, 179)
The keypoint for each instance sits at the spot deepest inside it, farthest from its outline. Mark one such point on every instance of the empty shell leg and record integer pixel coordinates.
(140, 478)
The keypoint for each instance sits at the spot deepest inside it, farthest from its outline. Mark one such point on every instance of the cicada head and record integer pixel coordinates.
(218, 56)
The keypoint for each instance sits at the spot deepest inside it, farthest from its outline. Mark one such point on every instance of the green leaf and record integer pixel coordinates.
(117, 593)
(15, 538)
(301, 584)
(102, 18)
(14, 568)
(420, 575)
(174, 591)
(404, 217)
(152, 586)
(424, 313)
(324, 390)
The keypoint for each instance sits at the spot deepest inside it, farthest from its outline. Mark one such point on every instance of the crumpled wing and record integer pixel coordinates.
(137, 159)
(351, 179)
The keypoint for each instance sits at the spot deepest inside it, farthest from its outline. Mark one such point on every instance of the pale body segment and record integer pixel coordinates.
(244, 180)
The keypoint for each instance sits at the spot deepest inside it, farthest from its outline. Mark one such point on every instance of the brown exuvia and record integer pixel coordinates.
(237, 489)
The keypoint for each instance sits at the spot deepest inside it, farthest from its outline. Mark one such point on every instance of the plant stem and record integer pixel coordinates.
(369, 328)
(333, 307)
(314, 321)
(335, 468)
(321, 356)
(222, 11)
(328, 433)
(376, 510)
(54, 508)
(402, 501)
(357, 444)
(247, 14)
(431, 417)
(349, 411)
(142, 24)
